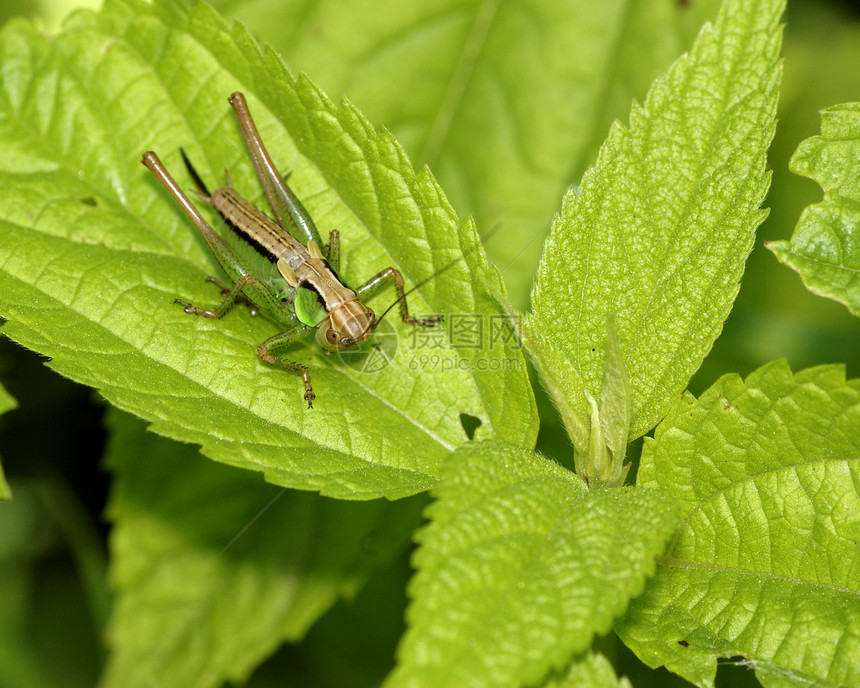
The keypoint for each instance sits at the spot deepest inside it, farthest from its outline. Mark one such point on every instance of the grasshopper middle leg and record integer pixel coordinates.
(229, 299)
(253, 310)
(332, 250)
(264, 350)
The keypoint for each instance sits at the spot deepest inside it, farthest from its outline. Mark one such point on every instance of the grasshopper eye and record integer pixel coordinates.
(332, 336)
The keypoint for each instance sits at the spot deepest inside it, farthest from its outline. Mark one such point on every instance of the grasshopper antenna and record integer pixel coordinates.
(198, 181)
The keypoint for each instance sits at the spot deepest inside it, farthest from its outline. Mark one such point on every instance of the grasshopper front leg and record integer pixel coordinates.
(379, 280)
(279, 341)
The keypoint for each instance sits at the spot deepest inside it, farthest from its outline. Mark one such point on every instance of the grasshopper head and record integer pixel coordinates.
(346, 326)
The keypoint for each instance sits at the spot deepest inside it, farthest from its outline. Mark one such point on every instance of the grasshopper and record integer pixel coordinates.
(302, 292)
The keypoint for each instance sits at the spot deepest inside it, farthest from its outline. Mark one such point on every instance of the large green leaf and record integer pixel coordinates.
(590, 669)
(764, 565)
(214, 568)
(520, 566)
(514, 97)
(7, 403)
(93, 252)
(825, 246)
(658, 232)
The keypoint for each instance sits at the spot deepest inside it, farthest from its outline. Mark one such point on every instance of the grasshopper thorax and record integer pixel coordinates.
(346, 326)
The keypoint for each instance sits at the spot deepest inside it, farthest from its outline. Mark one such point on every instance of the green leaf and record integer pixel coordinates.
(658, 232)
(520, 566)
(213, 568)
(7, 403)
(514, 97)
(825, 248)
(764, 565)
(591, 669)
(93, 252)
